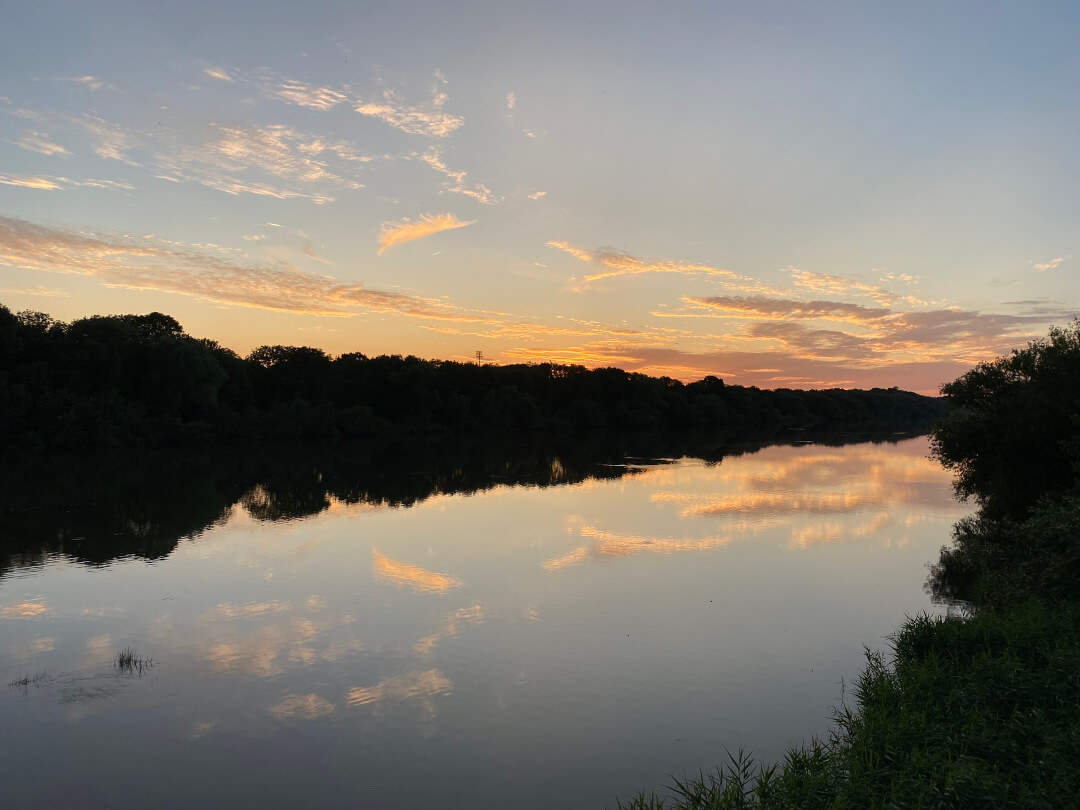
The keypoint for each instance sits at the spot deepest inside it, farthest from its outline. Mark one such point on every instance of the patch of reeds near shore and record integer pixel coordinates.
(30, 680)
(982, 712)
(129, 662)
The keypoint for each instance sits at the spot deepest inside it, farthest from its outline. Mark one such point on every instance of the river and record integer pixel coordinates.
(514, 627)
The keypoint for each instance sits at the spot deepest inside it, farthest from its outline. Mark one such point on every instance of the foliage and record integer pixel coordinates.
(139, 379)
(1003, 562)
(1013, 433)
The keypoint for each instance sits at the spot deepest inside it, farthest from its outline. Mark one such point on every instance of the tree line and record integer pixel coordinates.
(119, 379)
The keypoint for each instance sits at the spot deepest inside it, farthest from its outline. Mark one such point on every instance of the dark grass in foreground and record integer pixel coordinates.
(980, 712)
(129, 662)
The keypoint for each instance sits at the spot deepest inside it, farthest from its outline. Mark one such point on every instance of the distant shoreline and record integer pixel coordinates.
(140, 380)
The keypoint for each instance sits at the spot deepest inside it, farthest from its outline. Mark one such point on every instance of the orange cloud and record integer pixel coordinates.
(1050, 265)
(40, 143)
(22, 181)
(478, 191)
(397, 233)
(415, 120)
(230, 611)
(611, 544)
(29, 609)
(220, 74)
(469, 615)
(760, 307)
(414, 576)
(616, 263)
(302, 707)
(311, 96)
(424, 684)
(838, 285)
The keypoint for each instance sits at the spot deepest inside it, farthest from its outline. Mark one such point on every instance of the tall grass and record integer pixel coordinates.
(31, 680)
(977, 713)
(129, 662)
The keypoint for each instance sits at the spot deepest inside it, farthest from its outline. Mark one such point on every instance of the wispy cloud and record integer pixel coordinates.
(536, 195)
(92, 82)
(511, 101)
(417, 578)
(424, 685)
(1050, 265)
(311, 253)
(53, 183)
(39, 142)
(606, 545)
(397, 233)
(44, 292)
(760, 307)
(150, 263)
(826, 284)
(309, 95)
(303, 707)
(616, 263)
(23, 181)
(578, 253)
(220, 74)
(428, 120)
(458, 179)
(232, 160)
(113, 142)
(389, 105)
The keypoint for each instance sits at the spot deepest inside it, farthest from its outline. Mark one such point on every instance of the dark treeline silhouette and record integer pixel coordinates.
(139, 379)
(1013, 441)
(94, 508)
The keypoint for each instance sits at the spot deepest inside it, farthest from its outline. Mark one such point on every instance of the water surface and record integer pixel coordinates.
(523, 629)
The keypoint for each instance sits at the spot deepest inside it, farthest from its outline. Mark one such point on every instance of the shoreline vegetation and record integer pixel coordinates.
(980, 710)
(139, 380)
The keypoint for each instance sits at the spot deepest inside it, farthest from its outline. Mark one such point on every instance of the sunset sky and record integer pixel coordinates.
(780, 194)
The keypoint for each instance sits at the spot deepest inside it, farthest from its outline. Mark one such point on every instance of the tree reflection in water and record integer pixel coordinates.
(93, 509)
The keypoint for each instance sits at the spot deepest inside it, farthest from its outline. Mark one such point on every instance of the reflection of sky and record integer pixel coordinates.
(717, 604)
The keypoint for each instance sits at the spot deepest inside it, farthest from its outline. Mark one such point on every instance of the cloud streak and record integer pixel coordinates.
(826, 284)
(616, 263)
(149, 263)
(23, 181)
(1050, 265)
(458, 179)
(39, 142)
(398, 233)
(53, 183)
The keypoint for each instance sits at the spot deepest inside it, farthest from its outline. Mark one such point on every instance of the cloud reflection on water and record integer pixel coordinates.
(419, 579)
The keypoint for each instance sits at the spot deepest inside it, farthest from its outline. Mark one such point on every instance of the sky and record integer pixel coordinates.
(779, 194)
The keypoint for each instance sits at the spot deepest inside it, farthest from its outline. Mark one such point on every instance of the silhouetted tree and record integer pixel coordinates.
(1014, 430)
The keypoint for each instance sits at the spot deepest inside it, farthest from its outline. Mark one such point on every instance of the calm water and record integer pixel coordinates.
(521, 629)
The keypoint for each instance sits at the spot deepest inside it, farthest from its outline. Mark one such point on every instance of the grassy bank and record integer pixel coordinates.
(968, 713)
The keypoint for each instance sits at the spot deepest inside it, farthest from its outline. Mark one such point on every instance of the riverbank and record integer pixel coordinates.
(974, 711)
